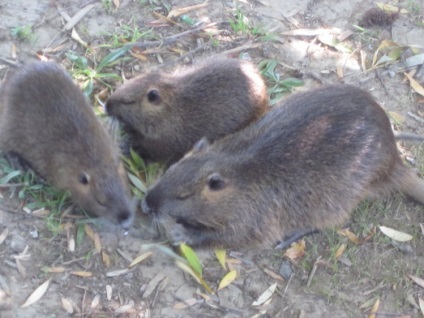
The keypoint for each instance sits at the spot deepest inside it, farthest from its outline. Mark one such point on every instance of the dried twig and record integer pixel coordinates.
(171, 39)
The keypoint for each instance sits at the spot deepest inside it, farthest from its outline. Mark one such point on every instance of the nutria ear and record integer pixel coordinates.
(216, 182)
(153, 96)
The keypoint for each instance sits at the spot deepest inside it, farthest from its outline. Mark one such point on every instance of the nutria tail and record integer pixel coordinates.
(413, 186)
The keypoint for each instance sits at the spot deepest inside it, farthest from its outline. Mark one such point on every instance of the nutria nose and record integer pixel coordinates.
(125, 218)
(109, 106)
(150, 203)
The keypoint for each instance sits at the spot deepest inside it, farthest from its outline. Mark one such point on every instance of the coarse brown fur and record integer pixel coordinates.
(47, 123)
(304, 165)
(165, 114)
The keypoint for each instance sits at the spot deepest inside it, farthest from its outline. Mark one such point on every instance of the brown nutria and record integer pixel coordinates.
(304, 165)
(165, 114)
(48, 125)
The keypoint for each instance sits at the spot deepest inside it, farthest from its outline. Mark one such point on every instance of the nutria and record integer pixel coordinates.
(165, 114)
(304, 165)
(47, 123)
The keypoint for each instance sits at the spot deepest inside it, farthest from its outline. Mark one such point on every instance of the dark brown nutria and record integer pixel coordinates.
(47, 123)
(165, 114)
(304, 165)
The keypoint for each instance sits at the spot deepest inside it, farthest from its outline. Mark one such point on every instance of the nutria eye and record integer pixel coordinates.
(216, 182)
(84, 178)
(153, 96)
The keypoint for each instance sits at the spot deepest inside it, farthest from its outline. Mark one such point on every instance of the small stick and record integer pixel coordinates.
(171, 39)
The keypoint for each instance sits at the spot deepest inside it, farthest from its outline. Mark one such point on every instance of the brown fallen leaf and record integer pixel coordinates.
(390, 8)
(186, 303)
(350, 235)
(297, 250)
(117, 272)
(272, 274)
(340, 251)
(89, 231)
(116, 3)
(20, 268)
(421, 302)
(179, 11)
(417, 280)
(415, 85)
(105, 259)
(67, 305)
(37, 293)
(4, 234)
(97, 244)
(139, 56)
(95, 302)
(55, 269)
(82, 273)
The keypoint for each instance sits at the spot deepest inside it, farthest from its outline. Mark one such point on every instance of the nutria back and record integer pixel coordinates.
(48, 124)
(304, 165)
(165, 114)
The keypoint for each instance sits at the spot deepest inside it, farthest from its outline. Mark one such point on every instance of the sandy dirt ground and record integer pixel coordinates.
(316, 284)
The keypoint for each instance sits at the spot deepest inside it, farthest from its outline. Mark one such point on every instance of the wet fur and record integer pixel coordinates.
(46, 122)
(212, 99)
(304, 165)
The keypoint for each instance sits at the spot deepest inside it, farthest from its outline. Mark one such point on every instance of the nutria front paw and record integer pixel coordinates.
(178, 234)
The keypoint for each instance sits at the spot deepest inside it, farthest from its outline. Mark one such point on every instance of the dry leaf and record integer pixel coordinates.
(125, 309)
(77, 17)
(89, 231)
(395, 235)
(179, 11)
(397, 118)
(55, 269)
(350, 235)
(95, 302)
(422, 228)
(71, 244)
(340, 251)
(4, 234)
(37, 293)
(421, 301)
(272, 274)
(390, 8)
(221, 255)
(97, 244)
(105, 259)
(267, 294)
(77, 38)
(417, 280)
(297, 250)
(415, 85)
(227, 279)
(67, 305)
(116, 3)
(20, 268)
(186, 303)
(374, 309)
(139, 56)
(117, 272)
(108, 292)
(82, 273)
(140, 258)
(339, 70)
(185, 267)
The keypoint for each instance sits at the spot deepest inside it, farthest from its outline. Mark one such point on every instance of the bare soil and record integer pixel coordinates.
(316, 285)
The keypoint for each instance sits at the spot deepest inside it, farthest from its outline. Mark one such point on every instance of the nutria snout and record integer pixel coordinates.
(305, 165)
(164, 114)
(46, 122)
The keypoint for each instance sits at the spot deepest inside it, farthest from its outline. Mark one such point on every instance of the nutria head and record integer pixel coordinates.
(205, 200)
(48, 123)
